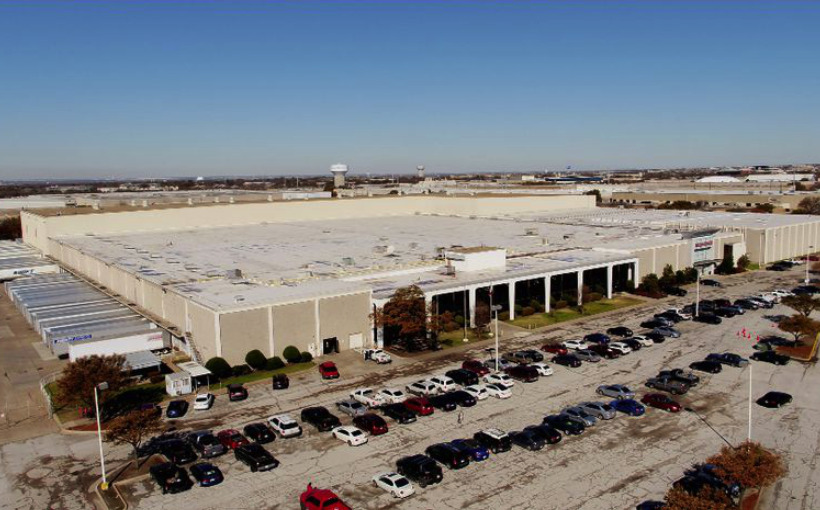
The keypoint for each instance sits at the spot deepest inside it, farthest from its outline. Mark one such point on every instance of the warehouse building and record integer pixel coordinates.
(225, 279)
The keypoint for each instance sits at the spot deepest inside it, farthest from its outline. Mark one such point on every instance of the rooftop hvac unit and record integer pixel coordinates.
(384, 249)
(531, 232)
(233, 273)
(348, 261)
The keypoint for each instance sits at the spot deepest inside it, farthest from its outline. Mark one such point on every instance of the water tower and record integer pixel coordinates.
(339, 171)
(420, 172)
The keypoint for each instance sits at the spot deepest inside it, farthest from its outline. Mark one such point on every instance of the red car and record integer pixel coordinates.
(604, 351)
(237, 392)
(371, 423)
(419, 405)
(661, 401)
(473, 365)
(320, 499)
(554, 348)
(232, 438)
(328, 370)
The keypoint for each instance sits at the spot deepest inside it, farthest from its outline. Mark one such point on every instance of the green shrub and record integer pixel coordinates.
(459, 320)
(306, 357)
(503, 316)
(518, 309)
(219, 367)
(527, 311)
(292, 354)
(256, 359)
(560, 304)
(240, 370)
(274, 363)
(452, 326)
(594, 296)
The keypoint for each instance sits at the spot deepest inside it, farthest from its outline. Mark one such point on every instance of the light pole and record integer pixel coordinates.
(464, 314)
(100, 387)
(749, 436)
(697, 295)
(495, 309)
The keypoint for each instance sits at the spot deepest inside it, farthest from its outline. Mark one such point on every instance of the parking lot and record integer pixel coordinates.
(615, 464)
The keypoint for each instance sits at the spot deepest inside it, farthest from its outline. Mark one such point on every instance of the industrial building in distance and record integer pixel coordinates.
(223, 279)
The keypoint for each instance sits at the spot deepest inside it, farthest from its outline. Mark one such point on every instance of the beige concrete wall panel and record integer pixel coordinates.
(293, 325)
(343, 316)
(203, 330)
(242, 332)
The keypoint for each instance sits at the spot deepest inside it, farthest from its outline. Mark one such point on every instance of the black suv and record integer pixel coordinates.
(320, 418)
(256, 457)
(399, 412)
(421, 469)
(528, 440)
(445, 402)
(708, 318)
(177, 451)
(496, 440)
(171, 478)
(280, 382)
(545, 432)
(564, 423)
(206, 443)
(446, 454)
(463, 398)
(259, 432)
(463, 377)
(679, 374)
(621, 331)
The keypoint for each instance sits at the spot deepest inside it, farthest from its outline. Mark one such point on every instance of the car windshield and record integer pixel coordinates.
(289, 425)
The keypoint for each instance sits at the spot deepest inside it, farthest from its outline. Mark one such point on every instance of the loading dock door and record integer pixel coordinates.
(356, 341)
(330, 345)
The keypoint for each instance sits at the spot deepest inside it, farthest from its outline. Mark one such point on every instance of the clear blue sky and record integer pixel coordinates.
(156, 88)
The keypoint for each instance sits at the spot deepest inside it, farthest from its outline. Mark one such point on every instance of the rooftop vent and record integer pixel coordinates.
(233, 273)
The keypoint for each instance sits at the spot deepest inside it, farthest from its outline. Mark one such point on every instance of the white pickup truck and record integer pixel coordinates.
(368, 397)
(377, 355)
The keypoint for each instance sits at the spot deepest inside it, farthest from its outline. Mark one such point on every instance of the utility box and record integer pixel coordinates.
(179, 383)
(478, 258)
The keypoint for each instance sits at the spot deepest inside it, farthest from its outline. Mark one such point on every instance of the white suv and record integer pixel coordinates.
(392, 395)
(284, 425)
(576, 345)
(423, 388)
(443, 383)
(204, 401)
(620, 347)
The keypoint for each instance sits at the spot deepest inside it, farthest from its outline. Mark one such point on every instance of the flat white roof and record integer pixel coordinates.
(194, 368)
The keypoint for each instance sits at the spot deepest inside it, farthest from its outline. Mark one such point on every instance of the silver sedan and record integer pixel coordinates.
(602, 410)
(617, 391)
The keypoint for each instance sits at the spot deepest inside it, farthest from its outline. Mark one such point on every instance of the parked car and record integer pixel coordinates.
(256, 457)
(259, 432)
(368, 397)
(668, 332)
(747, 304)
(351, 407)
(395, 484)
(527, 440)
(542, 368)
(621, 347)
(668, 384)
(680, 313)
(656, 322)
(285, 425)
(548, 434)
(575, 344)
(419, 405)
(328, 370)
(206, 443)
(473, 448)
(496, 440)
(392, 395)
(171, 478)
(475, 366)
(711, 283)
(463, 377)
(628, 406)
(422, 388)
(447, 455)
(499, 378)
(770, 357)
(176, 409)
(320, 499)
(237, 392)
(320, 418)
(443, 383)
(204, 401)
(643, 340)
(399, 412)
(231, 438)
(728, 358)
(719, 302)
(681, 375)
(498, 390)
(601, 410)
(579, 414)
(443, 402)
(661, 401)
(463, 398)
(676, 291)
(727, 312)
(523, 373)
(670, 316)
(280, 382)
(564, 423)
(633, 344)
(621, 331)
(707, 318)
(708, 474)
(177, 451)
(712, 367)
(353, 436)
(502, 364)
(569, 360)
(421, 469)
(656, 338)
(774, 399)
(597, 338)
(618, 391)
(554, 348)
(371, 423)
(524, 356)
(605, 351)
(587, 355)
(478, 391)
(378, 355)
(206, 474)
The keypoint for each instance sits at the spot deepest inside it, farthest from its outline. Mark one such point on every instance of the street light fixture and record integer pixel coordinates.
(98, 388)
(495, 309)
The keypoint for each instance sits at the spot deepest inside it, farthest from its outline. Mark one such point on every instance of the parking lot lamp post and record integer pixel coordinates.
(697, 295)
(749, 436)
(495, 309)
(98, 388)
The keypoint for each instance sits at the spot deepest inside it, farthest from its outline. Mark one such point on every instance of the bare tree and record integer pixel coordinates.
(81, 376)
(802, 303)
(799, 326)
(750, 464)
(133, 428)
